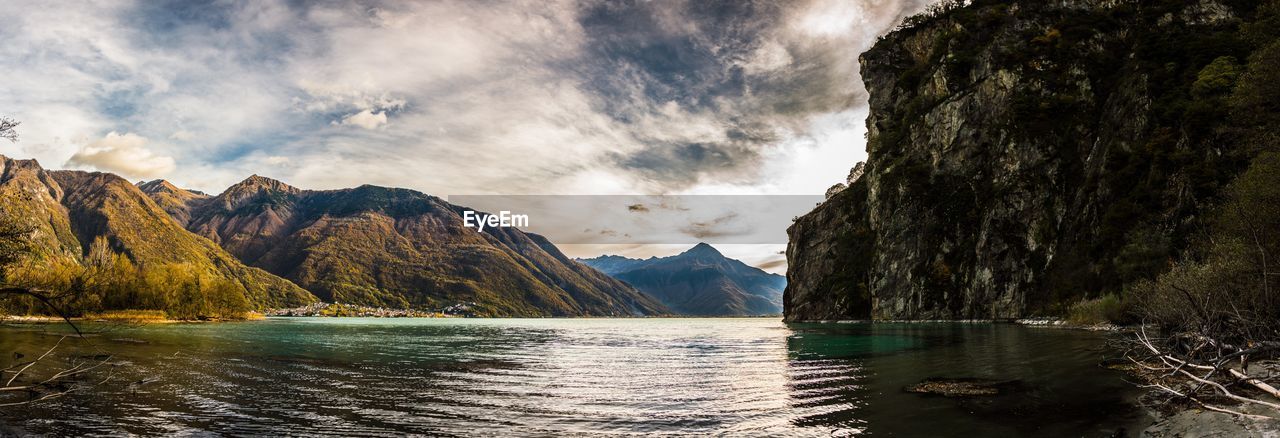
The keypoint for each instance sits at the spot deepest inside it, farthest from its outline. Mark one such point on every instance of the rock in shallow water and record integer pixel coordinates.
(964, 387)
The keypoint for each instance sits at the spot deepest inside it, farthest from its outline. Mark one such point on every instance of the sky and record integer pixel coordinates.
(447, 97)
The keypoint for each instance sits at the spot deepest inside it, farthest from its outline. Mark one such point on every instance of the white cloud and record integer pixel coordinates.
(366, 119)
(324, 97)
(770, 57)
(126, 154)
(182, 135)
(276, 160)
(831, 18)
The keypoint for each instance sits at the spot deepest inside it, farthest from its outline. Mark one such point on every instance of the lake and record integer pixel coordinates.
(731, 376)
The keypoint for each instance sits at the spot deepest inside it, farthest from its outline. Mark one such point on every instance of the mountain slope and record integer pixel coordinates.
(70, 209)
(699, 281)
(175, 201)
(1025, 155)
(401, 248)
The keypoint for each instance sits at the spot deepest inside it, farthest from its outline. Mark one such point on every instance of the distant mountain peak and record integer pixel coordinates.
(157, 186)
(699, 281)
(253, 187)
(175, 200)
(30, 164)
(702, 250)
(257, 183)
(259, 180)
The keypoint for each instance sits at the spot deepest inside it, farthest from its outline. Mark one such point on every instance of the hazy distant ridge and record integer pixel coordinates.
(700, 281)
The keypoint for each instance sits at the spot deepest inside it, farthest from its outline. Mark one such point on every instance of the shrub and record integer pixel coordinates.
(1217, 78)
(1107, 309)
(1226, 295)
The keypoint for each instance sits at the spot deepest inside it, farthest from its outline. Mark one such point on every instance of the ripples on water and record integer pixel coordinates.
(552, 377)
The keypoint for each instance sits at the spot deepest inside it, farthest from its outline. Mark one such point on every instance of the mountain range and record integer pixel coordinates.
(700, 281)
(286, 246)
(70, 209)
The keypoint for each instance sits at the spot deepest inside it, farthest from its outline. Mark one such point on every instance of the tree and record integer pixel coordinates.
(42, 377)
(833, 190)
(856, 172)
(13, 242)
(13, 235)
(8, 129)
(1255, 101)
(1219, 313)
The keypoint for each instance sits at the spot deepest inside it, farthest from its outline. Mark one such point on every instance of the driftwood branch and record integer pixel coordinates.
(57, 382)
(29, 364)
(1213, 373)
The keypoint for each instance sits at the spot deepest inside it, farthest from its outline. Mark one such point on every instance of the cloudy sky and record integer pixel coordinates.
(447, 97)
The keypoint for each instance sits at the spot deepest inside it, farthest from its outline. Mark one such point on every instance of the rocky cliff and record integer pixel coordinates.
(1023, 155)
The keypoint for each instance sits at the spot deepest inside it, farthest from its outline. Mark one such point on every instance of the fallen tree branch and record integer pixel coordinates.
(38, 359)
(43, 298)
(1256, 383)
(1168, 365)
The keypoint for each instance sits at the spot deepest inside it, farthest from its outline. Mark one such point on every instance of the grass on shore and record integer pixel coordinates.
(135, 316)
(1107, 309)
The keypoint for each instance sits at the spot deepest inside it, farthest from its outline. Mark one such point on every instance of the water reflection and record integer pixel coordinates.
(1052, 385)
(551, 377)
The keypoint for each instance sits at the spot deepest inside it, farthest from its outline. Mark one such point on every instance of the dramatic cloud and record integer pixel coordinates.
(454, 96)
(451, 96)
(126, 154)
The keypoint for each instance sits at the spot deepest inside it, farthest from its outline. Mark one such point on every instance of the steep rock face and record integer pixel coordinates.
(700, 281)
(27, 191)
(69, 209)
(401, 248)
(1021, 156)
(828, 253)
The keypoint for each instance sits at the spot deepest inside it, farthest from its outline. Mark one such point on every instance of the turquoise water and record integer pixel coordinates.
(749, 376)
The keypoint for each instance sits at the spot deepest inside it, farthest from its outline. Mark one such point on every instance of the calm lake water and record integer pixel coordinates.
(751, 376)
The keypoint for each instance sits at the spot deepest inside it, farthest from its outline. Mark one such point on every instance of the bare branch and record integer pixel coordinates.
(46, 354)
(7, 129)
(43, 298)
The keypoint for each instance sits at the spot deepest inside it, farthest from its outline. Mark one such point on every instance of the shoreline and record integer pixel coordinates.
(41, 319)
(1168, 417)
(118, 317)
(1028, 322)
